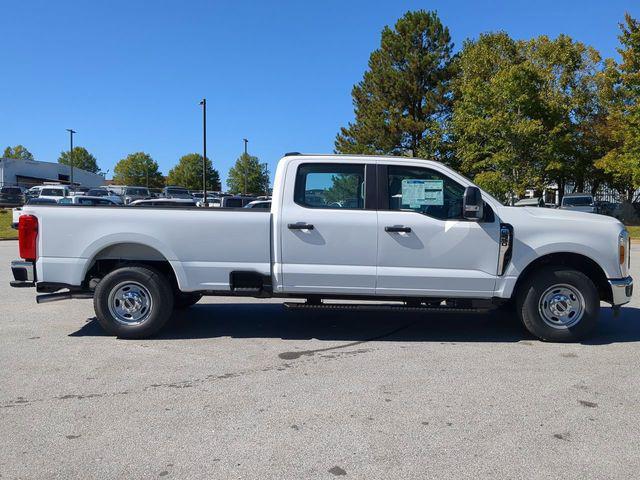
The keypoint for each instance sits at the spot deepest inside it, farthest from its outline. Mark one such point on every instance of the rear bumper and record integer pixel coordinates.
(24, 274)
(621, 291)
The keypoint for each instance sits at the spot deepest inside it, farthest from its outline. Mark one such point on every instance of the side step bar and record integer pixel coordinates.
(54, 297)
(378, 307)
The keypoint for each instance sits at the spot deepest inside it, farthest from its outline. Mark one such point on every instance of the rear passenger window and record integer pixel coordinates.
(330, 185)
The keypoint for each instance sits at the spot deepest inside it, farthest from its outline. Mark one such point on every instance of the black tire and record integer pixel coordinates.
(146, 287)
(548, 283)
(185, 299)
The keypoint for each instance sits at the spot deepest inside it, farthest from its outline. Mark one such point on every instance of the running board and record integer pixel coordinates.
(54, 297)
(378, 307)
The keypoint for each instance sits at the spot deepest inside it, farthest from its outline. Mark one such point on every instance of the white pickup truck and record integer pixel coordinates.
(408, 232)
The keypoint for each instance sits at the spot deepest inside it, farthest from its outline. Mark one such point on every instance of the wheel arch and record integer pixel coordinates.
(576, 261)
(123, 253)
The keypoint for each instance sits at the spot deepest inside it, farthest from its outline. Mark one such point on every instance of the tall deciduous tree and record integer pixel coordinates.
(188, 173)
(138, 169)
(403, 100)
(18, 152)
(526, 113)
(622, 161)
(81, 159)
(248, 175)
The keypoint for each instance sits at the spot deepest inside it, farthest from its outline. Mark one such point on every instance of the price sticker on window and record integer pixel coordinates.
(418, 193)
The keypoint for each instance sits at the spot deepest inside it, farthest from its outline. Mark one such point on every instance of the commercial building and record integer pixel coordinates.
(27, 173)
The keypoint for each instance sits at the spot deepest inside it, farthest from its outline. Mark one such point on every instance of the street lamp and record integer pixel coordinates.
(203, 102)
(71, 132)
(245, 165)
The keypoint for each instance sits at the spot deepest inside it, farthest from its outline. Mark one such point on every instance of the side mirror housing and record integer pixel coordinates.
(472, 204)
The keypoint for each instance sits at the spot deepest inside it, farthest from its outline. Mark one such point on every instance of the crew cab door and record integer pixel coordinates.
(328, 228)
(425, 247)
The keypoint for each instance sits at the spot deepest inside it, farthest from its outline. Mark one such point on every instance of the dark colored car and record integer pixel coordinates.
(11, 196)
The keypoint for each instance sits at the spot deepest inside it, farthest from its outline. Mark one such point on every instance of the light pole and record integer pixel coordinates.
(71, 132)
(245, 165)
(203, 102)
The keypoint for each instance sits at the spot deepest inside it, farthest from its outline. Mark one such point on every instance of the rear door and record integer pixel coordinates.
(425, 247)
(328, 228)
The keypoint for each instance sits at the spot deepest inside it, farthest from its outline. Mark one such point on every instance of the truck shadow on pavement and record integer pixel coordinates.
(269, 320)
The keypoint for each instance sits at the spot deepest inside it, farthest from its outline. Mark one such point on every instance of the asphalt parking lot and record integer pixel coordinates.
(246, 389)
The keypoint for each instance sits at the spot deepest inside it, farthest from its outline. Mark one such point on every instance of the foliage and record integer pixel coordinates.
(622, 91)
(248, 175)
(344, 187)
(19, 152)
(138, 169)
(528, 112)
(188, 173)
(403, 101)
(5, 224)
(81, 159)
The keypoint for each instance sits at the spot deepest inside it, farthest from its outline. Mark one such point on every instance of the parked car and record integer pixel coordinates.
(103, 192)
(55, 192)
(11, 196)
(176, 192)
(530, 202)
(164, 202)
(420, 233)
(236, 201)
(30, 201)
(87, 200)
(578, 202)
(262, 204)
(135, 193)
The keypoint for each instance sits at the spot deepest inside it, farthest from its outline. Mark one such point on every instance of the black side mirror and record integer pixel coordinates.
(472, 204)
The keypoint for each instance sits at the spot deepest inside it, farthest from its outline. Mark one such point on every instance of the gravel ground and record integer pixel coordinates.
(246, 389)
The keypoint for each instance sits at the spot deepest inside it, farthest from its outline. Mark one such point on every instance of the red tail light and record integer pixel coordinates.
(27, 236)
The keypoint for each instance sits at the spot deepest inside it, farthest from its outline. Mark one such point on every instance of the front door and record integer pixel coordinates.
(328, 232)
(425, 247)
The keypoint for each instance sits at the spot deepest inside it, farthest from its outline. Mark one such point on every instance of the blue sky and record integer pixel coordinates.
(128, 75)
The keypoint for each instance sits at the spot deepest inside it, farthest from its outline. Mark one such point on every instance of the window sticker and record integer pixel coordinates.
(418, 193)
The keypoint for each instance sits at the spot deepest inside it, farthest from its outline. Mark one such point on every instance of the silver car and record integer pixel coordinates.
(579, 202)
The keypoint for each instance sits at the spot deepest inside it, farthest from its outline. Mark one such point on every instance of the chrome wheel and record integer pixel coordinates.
(561, 306)
(130, 303)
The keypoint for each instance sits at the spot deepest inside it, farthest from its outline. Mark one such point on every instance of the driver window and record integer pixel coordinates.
(424, 191)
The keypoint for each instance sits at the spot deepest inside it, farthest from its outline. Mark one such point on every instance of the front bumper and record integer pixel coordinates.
(621, 291)
(24, 274)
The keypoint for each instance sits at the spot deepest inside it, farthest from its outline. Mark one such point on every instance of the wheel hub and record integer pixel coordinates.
(130, 303)
(561, 306)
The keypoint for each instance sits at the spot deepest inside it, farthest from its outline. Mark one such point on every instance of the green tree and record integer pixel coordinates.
(188, 173)
(81, 159)
(138, 169)
(403, 100)
(527, 113)
(18, 152)
(248, 175)
(622, 162)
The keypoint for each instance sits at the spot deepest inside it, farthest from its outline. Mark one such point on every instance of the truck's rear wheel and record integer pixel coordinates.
(133, 302)
(558, 304)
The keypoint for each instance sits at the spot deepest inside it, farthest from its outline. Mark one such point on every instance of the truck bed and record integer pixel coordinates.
(202, 245)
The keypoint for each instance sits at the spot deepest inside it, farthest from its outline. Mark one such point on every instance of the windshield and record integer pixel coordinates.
(577, 201)
(137, 191)
(178, 191)
(11, 190)
(52, 192)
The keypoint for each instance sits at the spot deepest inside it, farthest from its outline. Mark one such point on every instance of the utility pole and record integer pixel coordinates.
(245, 164)
(71, 132)
(203, 102)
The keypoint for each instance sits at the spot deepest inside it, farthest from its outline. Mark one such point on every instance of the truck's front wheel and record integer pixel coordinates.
(558, 304)
(133, 302)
